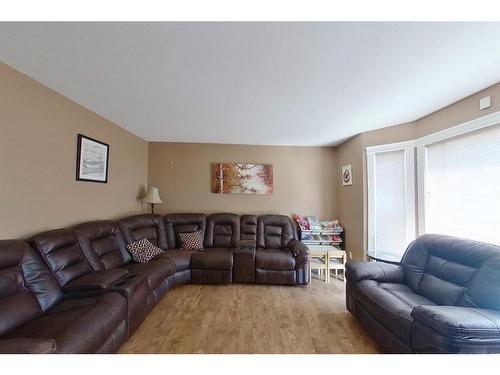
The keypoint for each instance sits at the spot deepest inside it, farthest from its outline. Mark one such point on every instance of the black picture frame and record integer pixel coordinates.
(84, 142)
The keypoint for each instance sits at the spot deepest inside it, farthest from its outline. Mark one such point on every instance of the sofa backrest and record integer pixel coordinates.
(103, 244)
(62, 253)
(27, 288)
(248, 227)
(454, 271)
(183, 223)
(151, 227)
(274, 231)
(222, 230)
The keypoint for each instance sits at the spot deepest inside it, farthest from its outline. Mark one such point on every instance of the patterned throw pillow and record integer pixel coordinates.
(143, 251)
(192, 241)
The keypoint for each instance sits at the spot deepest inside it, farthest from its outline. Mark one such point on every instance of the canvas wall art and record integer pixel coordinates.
(347, 175)
(242, 178)
(91, 160)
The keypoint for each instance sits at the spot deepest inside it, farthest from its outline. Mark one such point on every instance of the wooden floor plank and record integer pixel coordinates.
(241, 318)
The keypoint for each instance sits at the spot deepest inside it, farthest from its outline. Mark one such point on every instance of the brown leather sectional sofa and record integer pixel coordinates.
(77, 290)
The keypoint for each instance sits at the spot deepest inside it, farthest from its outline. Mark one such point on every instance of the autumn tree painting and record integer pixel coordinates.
(242, 178)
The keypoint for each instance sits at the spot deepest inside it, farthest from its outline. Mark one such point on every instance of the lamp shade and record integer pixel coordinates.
(153, 196)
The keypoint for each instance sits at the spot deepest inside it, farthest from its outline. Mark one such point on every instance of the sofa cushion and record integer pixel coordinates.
(62, 253)
(391, 304)
(275, 231)
(453, 271)
(455, 329)
(147, 226)
(27, 286)
(181, 258)
(458, 323)
(223, 230)
(192, 241)
(274, 259)
(156, 271)
(103, 244)
(78, 325)
(213, 259)
(143, 251)
(182, 223)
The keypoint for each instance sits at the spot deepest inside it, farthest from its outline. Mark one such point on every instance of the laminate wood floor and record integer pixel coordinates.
(241, 318)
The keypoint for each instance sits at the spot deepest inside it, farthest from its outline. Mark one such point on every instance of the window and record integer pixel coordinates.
(461, 186)
(458, 187)
(391, 200)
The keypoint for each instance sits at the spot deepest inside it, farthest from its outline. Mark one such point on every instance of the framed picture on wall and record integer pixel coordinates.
(242, 178)
(91, 160)
(347, 175)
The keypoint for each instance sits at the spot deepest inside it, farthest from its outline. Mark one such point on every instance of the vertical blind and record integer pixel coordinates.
(462, 186)
(390, 205)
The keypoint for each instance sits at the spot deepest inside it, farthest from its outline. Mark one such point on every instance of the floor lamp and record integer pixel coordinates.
(152, 197)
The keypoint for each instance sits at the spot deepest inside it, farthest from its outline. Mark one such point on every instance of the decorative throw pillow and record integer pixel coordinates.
(192, 241)
(143, 251)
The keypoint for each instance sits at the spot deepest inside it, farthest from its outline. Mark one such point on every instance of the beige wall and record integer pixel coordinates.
(352, 202)
(464, 110)
(350, 197)
(305, 178)
(38, 190)
(38, 129)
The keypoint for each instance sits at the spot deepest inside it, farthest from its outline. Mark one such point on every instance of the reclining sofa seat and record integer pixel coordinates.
(151, 227)
(64, 257)
(104, 247)
(214, 265)
(35, 317)
(442, 298)
(182, 223)
(275, 261)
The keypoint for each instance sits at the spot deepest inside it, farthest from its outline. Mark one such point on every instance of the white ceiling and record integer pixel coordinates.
(257, 83)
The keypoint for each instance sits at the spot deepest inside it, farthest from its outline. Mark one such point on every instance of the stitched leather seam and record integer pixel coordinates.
(480, 313)
(425, 267)
(441, 327)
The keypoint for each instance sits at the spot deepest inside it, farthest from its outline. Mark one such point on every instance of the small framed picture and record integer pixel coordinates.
(347, 175)
(91, 160)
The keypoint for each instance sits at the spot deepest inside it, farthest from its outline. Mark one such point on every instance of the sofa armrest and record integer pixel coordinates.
(246, 244)
(300, 252)
(460, 323)
(383, 272)
(27, 346)
(97, 280)
(298, 248)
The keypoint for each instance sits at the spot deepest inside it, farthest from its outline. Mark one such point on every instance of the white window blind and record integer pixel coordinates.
(391, 203)
(462, 186)
(390, 211)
